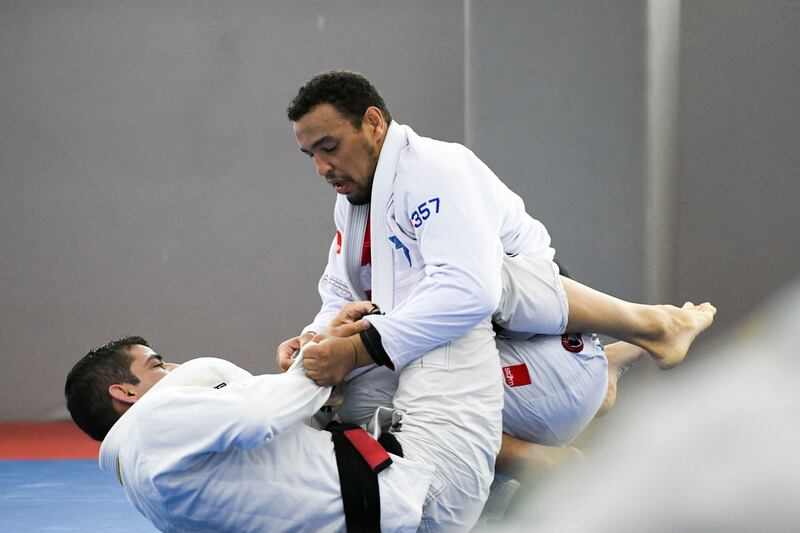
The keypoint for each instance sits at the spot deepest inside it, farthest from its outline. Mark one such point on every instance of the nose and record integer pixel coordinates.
(323, 165)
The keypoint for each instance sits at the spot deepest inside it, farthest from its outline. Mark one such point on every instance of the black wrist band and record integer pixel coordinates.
(372, 342)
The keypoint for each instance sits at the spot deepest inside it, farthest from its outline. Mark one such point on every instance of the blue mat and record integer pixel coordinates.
(60, 496)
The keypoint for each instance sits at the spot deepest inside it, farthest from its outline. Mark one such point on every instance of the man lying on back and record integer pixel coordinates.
(206, 446)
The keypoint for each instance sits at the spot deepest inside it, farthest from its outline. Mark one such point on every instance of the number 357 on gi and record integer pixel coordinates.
(424, 211)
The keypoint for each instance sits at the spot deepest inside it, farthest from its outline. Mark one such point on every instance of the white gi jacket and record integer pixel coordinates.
(447, 213)
(212, 448)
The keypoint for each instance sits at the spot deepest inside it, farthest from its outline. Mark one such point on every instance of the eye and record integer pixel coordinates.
(330, 149)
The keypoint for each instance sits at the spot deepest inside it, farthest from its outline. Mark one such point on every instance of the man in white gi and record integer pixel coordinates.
(447, 222)
(207, 447)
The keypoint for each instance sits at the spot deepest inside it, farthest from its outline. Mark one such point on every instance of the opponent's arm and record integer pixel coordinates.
(244, 413)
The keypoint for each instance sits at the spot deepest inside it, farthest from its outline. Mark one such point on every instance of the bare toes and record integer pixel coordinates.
(706, 306)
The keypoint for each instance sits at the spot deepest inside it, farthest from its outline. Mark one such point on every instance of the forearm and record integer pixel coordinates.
(433, 314)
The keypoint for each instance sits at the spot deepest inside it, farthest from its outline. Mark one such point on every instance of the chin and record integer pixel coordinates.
(358, 200)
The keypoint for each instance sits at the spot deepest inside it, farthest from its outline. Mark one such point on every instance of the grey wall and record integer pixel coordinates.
(150, 183)
(738, 184)
(555, 103)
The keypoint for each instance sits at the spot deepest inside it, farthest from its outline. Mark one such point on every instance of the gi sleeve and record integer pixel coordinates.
(187, 421)
(454, 219)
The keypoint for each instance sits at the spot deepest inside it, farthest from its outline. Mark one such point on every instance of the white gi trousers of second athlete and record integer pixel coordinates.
(452, 400)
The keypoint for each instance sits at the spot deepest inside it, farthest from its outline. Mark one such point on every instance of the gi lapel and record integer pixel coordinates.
(382, 185)
(353, 243)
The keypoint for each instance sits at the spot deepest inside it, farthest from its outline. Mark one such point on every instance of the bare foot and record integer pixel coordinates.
(675, 330)
(621, 356)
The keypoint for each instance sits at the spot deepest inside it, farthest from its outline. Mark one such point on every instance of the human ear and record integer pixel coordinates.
(373, 118)
(124, 392)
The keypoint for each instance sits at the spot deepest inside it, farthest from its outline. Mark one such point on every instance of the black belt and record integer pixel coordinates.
(359, 458)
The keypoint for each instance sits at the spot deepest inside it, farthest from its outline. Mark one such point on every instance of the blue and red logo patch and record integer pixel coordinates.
(572, 342)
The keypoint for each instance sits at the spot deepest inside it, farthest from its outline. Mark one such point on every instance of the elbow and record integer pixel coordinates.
(485, 296)
(474, 294)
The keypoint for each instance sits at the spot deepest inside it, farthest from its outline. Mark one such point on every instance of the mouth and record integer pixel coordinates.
(341, 186)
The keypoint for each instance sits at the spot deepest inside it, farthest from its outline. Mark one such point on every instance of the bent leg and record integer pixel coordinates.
(665, 331)
(536, 300)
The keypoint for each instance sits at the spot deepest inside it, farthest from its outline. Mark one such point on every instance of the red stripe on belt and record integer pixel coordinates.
(373, 453)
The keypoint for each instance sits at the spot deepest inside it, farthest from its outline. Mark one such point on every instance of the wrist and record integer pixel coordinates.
(371, 340)
(362, 356)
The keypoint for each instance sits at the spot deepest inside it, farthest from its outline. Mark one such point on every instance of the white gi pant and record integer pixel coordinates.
(533, 301)
(551, 392)
(449, 403)
(452, 400)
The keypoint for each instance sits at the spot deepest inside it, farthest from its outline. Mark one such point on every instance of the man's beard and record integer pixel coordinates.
(365, 195)
(362, 197)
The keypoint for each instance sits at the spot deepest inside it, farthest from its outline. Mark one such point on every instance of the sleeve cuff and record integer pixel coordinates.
(372, 342)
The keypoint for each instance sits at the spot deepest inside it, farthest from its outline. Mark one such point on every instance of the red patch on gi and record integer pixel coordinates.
(516, 375)
(338, 242)
(572, 342)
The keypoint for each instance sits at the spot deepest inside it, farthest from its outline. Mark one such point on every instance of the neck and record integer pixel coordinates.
(382, 139)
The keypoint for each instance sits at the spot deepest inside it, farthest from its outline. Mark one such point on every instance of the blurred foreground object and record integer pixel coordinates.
(713, 450)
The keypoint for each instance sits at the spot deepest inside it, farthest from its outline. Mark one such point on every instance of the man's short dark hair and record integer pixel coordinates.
(87, 385)
(349, 92)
